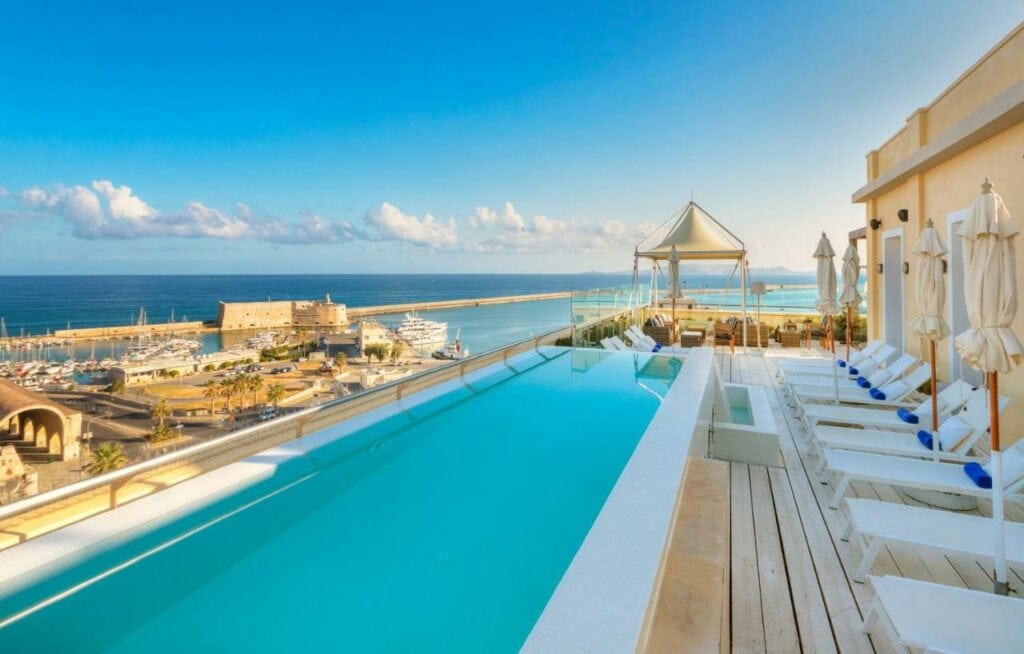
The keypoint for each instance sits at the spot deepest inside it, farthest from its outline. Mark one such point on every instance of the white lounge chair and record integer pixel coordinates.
(855, 357)
(950, 399)
(875, 524)
(850, 466)
(609, 344)
(975, 415)
(871, 361)
(936, 618)
(644, 343)
(895, 370)
(895, 397)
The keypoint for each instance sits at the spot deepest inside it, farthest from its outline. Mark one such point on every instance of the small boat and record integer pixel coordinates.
(452, 351)
(418, 332)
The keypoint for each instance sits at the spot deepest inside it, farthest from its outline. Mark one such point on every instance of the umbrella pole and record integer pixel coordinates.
(1000, 586)
(935, 405)
(849, 331)
(835, 367)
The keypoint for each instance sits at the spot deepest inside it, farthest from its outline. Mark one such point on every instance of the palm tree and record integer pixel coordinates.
(378, 350)
(211, 391)
(341, 360)
(302, 332)
(275, 393)
(227, 391)
(106, 457)
(160, 411)
(254, 383)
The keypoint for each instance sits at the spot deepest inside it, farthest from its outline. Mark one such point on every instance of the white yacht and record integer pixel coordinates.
(418, 332)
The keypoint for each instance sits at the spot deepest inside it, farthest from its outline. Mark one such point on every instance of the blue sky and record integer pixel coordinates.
(517, 137)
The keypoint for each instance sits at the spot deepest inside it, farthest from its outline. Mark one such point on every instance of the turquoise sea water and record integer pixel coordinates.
(443, 529)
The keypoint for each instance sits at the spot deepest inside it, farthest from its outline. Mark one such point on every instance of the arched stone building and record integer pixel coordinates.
(39, 429)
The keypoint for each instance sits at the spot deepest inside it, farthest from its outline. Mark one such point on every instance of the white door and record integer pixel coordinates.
(957, 308)
(892, 287)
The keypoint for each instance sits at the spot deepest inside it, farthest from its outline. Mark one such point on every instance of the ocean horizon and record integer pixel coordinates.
(35, 304)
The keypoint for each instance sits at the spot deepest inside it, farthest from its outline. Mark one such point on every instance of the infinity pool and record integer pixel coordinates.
(442, 527)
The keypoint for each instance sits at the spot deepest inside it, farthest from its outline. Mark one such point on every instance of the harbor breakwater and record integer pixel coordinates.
(195, 326)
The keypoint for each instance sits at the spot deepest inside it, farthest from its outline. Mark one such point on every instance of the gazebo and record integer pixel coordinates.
(692, 234)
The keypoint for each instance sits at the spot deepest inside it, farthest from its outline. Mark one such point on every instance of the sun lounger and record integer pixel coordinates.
(909, 473)
(975, 416)
(609, 344)
(855, 356)
(893, 397)
(796, 365)
(936, 618)
(644, 343)
(895, 370)
(950, 399)
(874, 525)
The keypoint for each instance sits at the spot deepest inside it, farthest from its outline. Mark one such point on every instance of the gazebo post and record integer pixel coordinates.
(743, 296)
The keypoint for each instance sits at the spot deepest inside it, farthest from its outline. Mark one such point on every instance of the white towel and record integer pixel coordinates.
(953, 432)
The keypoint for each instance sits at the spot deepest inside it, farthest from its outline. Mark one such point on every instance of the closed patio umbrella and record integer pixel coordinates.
(826, 303)
(930, 292)
(990, 295)
(850, 296)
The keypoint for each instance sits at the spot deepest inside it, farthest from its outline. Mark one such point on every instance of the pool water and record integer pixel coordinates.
(443, 528)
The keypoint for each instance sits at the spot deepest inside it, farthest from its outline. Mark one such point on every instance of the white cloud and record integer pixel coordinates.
(123, 205)
(110, 211)
(3, 192)
(393, 225)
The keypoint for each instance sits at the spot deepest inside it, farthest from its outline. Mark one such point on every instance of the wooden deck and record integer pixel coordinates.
(790, 572)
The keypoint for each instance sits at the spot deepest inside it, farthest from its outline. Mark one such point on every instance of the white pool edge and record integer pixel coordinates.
(601, 602)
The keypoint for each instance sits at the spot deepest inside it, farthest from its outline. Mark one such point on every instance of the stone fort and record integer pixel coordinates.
(312, 314)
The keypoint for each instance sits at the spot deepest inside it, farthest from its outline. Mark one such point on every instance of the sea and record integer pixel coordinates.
(36, 305)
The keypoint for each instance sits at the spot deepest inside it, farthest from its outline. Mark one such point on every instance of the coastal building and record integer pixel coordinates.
(38, 428)
(353, 342)
(312, 314)
(156, 369)
(933, 168)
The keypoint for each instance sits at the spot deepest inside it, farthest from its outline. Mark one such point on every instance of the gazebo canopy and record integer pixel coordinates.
(695, 235)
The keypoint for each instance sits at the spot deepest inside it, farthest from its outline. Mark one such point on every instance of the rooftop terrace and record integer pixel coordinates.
(790, 571)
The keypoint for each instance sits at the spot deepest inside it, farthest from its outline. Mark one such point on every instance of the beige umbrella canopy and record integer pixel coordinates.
(990, 286)
(850, 296)
(990, 294)
(826, 303)
(930, 286)
(930, 292)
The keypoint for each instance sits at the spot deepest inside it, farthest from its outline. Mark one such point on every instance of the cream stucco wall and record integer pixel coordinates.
(949, 186)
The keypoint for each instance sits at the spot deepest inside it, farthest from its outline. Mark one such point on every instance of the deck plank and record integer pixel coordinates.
(747, 621)
(780, 632)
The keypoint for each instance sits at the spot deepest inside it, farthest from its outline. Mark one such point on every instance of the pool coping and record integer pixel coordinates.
(602, 600)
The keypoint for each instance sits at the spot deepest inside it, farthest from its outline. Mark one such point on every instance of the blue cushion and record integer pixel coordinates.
(926, 439)
(908, 416)
(877, 394)
(853, 371)
(863, 382)
(842, 364)
(978, 474)
(657, 346)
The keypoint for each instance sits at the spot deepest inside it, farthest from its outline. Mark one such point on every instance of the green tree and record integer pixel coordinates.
(253, 384)
(275, 393)
(341, 361)
(160, 411)
(174, 374)
(227, 391)
(211, 391)
(160, 433)
(117, 387)
(106, 457)
(397, 348)
(377, 351)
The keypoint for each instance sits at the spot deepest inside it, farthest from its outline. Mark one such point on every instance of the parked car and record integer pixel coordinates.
(269, 413)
